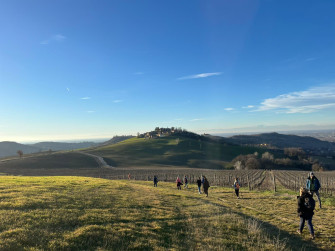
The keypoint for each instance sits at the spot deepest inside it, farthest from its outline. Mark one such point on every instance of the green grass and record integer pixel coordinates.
(171, 151)
(55, 160)
(73, 213)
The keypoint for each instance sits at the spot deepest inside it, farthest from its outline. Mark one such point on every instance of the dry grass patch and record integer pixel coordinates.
(73, 213)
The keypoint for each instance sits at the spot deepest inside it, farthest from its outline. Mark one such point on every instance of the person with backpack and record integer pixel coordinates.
(306, 205)
(313, 185)
(186, 181)
(199, 185)
(155, 181)
(206, 186)
(237, 187)
(179, 184)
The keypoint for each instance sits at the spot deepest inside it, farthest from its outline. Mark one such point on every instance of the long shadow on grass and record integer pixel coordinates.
(293, 242)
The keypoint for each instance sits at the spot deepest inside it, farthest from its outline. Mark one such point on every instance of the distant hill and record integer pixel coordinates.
(283, 141)
(60, 146)
(8, 148)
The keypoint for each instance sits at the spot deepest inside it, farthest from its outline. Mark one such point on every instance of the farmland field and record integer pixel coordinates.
(80, 213)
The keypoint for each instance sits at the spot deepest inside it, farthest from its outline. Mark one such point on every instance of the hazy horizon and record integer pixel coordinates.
(222, 133)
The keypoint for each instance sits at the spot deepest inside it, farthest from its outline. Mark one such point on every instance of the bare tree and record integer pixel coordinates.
(20, 153)
(252, 163)
(267, 156)
(239, 165)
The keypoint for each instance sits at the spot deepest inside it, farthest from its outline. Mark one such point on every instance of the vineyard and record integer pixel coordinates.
(252, 179)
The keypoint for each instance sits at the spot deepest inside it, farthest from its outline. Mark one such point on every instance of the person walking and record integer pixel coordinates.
(206, 186)
(199, 185)
(178, 181)
(306, 205)
(186, 181)
(237, 187)
(155, 181)
(313, 185)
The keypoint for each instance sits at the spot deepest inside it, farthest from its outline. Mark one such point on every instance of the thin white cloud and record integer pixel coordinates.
(85, 98)
(117, 101)
(90, 111)
(54, 38)
(193, 120)
(248, 107)
(201, 75)
(68, 89)
(309, 59)
(229, 109)
(311, 100)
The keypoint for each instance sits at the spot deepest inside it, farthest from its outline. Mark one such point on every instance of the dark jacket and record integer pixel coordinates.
(313, 184)
(199, 183)
(306, 205)
(206, 185)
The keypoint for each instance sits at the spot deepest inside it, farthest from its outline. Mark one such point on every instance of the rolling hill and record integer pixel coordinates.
(172, 150)
(8, 148)
(282, 141)
(62, 146)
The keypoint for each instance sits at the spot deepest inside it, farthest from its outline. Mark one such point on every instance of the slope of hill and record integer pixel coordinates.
(8, 148)
(66, 163)
(116, 139)
(171, 150)
(60, 146)
(282, 141)
(73, 213)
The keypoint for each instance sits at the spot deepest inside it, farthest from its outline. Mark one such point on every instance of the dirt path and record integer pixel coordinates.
(267, 182)
(101, 162)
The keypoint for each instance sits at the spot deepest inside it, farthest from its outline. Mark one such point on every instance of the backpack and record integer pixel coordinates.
(309, 203)
(237, 185)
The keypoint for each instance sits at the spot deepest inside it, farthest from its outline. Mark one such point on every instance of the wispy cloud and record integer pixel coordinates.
(90, 111)
(85, 98)
(309, 59)
(248, 107)
(311, 100)
(117, 101)
(193, 120)
(54, 38)
(68, 89)
(229, 109)
(201, 75)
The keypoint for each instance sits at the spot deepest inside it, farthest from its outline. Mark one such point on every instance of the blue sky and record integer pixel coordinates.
(94, 69)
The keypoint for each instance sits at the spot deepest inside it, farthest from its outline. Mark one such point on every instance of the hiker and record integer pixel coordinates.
(237, 187)
(155, 181)
(306, 205)
(129, 176)
(313, 185)
(178, 181)
(206, 186)
(186, 181)
(199, 185)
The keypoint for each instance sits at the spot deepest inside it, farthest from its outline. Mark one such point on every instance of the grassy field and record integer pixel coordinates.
(175, 151)
(78, 213)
